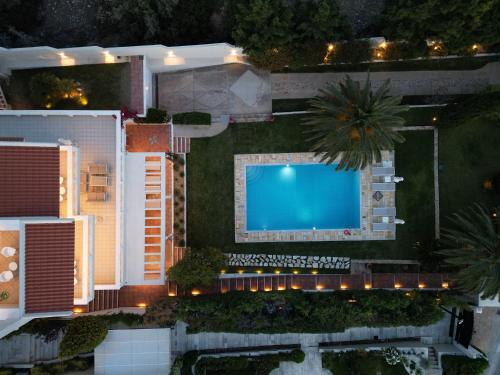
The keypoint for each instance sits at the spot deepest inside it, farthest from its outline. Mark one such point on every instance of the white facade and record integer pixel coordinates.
(158, 58)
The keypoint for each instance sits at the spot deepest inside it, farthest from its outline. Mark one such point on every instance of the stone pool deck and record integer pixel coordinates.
(365, 233)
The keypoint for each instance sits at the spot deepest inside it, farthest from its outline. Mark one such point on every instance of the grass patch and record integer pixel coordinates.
(461, 63)
(360, 363)
(456, 365)
(469, 139)
(210, 186)
(106, 85)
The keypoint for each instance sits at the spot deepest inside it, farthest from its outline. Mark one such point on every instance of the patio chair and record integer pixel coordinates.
(383, 186)
(384, 227)
(8, 251)
(383, 171)
(384, 211)
(6, 276)
(13, 266)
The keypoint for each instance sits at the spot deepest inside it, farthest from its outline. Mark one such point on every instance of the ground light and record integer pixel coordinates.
(343, 286)
(195, 292)
(171, 294)
(445, 284)
(368, 286)
(295, 272)
(421, 285)
(397, 285)
(77, 310)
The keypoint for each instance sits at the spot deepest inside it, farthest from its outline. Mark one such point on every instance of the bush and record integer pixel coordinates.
(198, 268)
(271, 59)
(192, 118)
(49, 91)
(82, 335)
(156, 116)
(259, 364)
(75, 364)
(4, 295)
(459, 365)
(6, 371)
(352, 52)
(295, 311)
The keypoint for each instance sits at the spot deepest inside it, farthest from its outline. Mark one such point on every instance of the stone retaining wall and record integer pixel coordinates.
(288, 261)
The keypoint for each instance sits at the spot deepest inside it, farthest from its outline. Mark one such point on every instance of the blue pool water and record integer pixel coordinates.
(301, 197)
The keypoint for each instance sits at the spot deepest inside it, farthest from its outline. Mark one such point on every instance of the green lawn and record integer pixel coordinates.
(106, 85)
(469, 153)
(414, 117)
(360, 363)
(210, 184)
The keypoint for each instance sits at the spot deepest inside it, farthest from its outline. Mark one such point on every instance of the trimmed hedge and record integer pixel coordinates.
(156, 116)
(192, 118)
(460, 365)
(295, 311)
(82, 335)
(251, 365)
(75, 364)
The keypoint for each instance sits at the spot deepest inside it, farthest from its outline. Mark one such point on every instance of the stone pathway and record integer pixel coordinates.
(281, 260)
(436, 82)
(312, 364)
(219, 124)
(232, 89)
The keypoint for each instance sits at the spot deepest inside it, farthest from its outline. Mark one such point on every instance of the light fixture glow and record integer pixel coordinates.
(195, 292)
(445, 284)
(397, 285)
(343, 286)
(368, 286)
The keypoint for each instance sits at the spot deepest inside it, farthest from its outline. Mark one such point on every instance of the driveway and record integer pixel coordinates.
(232, 89)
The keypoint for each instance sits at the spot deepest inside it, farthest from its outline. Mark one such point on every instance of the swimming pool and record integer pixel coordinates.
(301, 197)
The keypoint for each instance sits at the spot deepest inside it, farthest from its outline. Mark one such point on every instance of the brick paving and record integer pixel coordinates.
(148, 137)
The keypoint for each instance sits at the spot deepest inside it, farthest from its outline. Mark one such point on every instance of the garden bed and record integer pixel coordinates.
(295, 311)
(210, 182)
(105, 85)
(360, 363)
(179, 201)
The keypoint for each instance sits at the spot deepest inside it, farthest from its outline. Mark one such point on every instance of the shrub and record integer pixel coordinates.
(156, 116)
(50, 91)
(4, 295)
(458, 365)
(192, 118)
(198, 268)
(295, 311)
(82, 335)
(6, 371)
(74, 364)
(353, 52)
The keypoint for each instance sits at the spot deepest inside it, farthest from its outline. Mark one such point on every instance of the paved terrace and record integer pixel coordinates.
(437, 82)
(132, 296)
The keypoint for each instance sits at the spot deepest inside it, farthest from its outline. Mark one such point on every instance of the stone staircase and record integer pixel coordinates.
(434, 367)
(105, 300)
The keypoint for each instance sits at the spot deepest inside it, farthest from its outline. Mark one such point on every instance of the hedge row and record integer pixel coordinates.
(192, 118)
(295, 311)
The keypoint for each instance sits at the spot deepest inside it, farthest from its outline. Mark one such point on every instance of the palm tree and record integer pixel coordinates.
(354, 122)
(473, 244)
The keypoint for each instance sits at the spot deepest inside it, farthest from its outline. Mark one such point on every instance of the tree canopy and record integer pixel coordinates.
(472, 244)
(198, 268)
(352, 122)
(457, 24)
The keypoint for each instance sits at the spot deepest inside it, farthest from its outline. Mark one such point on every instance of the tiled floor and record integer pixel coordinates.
(11, 239)
(96, 139)
(367, 204)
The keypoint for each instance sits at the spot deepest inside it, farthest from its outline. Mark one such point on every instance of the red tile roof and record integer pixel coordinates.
(29, 181)
(148, 138)
(49, 264)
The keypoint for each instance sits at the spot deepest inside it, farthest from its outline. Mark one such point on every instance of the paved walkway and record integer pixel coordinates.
(312, 364)
(437, 82)
(182, 342)
(233, 89)
(219, 124)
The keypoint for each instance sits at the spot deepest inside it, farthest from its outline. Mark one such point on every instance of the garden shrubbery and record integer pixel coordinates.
(459, 365)
(192, 118)
(360, 362)
(74, 364)
(156, 116)
(295, 311)
(82, 335)
(251, 365)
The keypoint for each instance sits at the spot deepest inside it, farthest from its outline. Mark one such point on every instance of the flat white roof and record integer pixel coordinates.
(134, 352)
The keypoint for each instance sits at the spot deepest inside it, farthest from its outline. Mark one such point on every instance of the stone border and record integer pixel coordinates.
(367, 203)
(288, 261)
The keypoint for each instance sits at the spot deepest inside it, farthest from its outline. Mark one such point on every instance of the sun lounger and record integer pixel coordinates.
(98, 180)
(100, 169)
(382, 171)
(383, 186)
(384, 227)
(384, 211)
